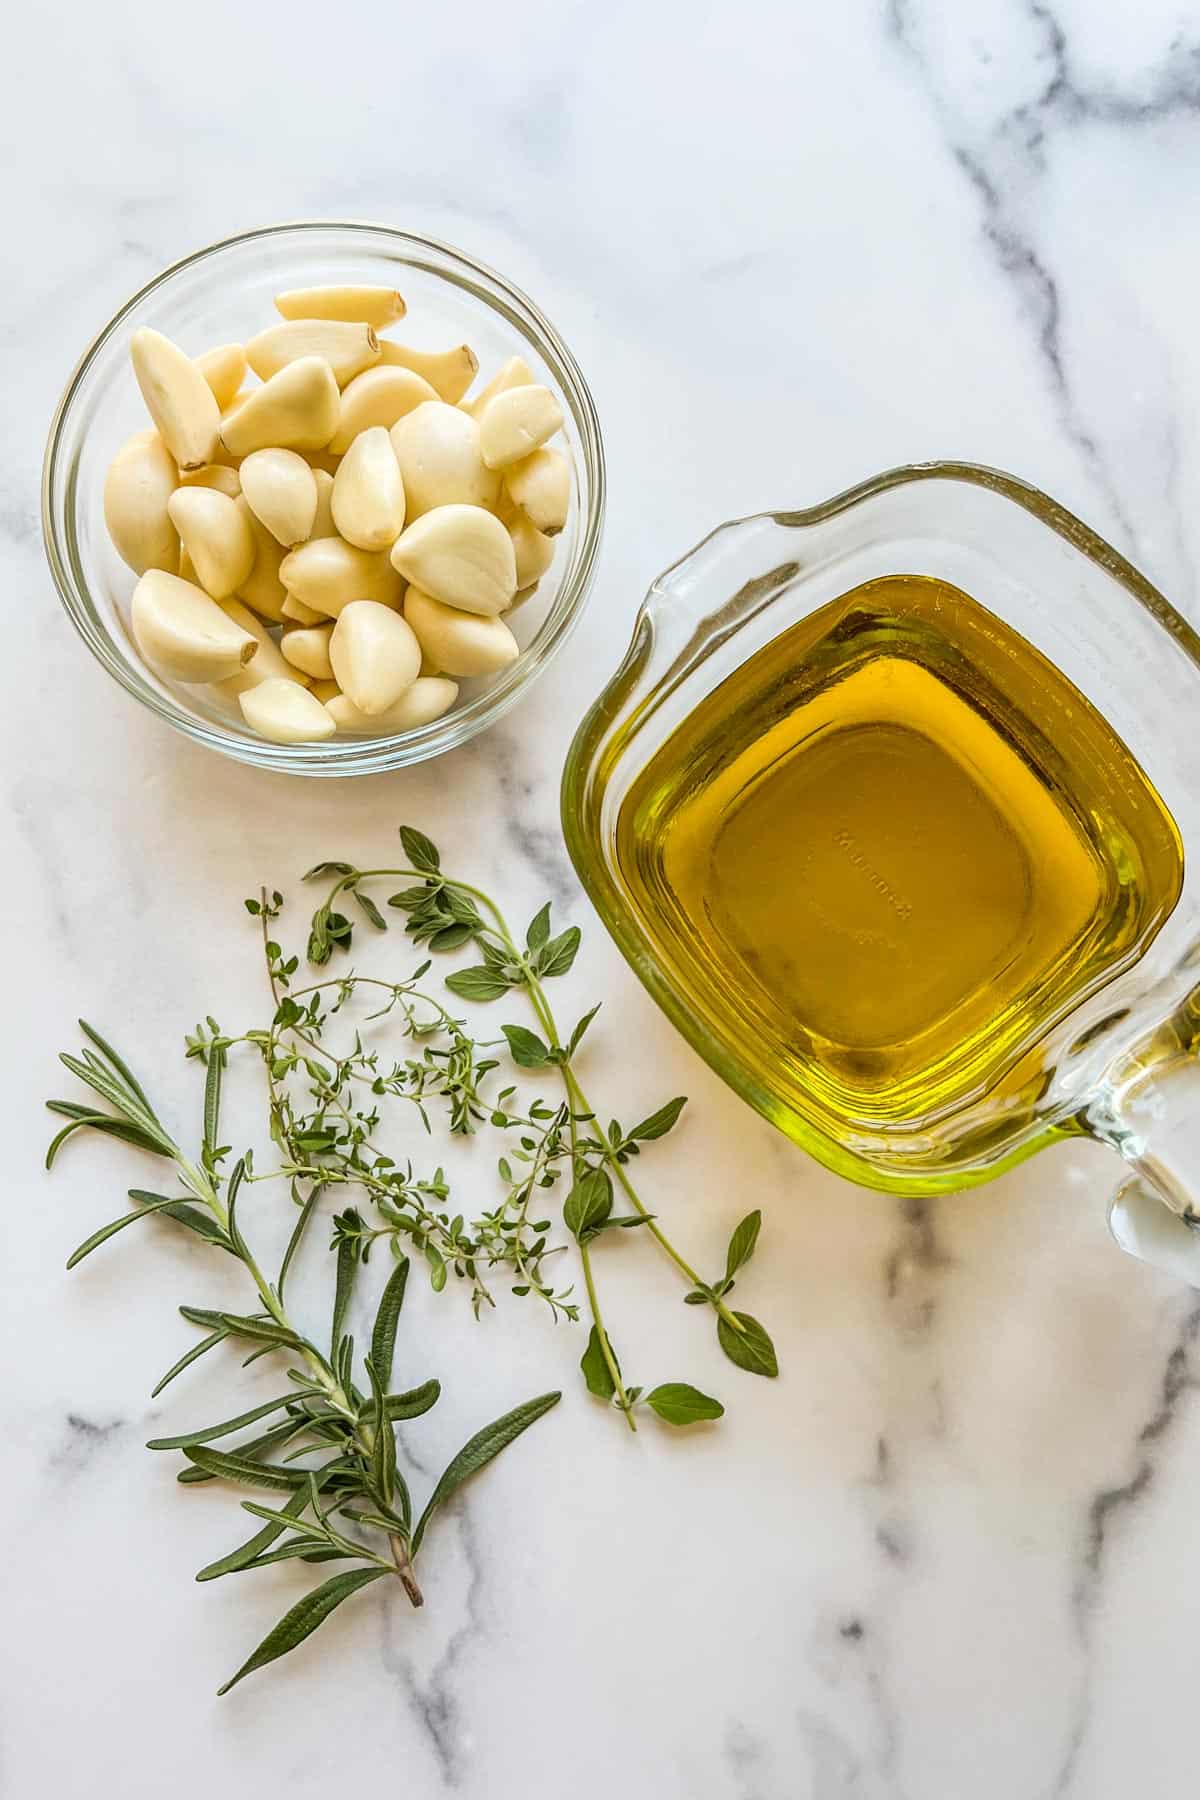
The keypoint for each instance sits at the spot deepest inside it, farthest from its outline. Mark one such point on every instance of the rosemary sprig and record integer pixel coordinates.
(325, 1411)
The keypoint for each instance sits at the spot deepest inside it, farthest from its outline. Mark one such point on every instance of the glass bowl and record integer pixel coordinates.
(225, 294)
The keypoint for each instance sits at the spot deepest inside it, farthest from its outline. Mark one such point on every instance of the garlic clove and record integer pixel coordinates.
(427, 699)
(216, 536)
(285, 713)
(307, 648)
(224, 369)
(183, 633)
(375, 306)
(303, 615)
(294, 410)
(179, 400)
(541, 487)
(262, 589)
(368, 494)
(516, 423)
(437, 448)
(461, 555)
(448, 372)
(326, 574)
(281, 491)
(213, 475)
(377, 397)
(460, 643)
(514, 373)
(323, 525)
(266, 664)
(347, 348)
(534, 551)
(374, 655)
(137, 490)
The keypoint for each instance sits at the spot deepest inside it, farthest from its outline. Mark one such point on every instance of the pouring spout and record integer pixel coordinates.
(1155, 1215)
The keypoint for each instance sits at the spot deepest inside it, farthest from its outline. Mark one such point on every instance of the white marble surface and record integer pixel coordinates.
(951, 1552)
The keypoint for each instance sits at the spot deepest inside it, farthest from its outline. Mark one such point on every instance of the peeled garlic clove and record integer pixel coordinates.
(327, 574)
(437, 447)
(541, 487)
(213, 475)
(323, 525)
(262, 589)
(377, 306)
(517, 423)
(137, 488)
(266, 664)
(461, 643)
(326, 691)
(224, 369)
(368, 494)
(295, 410)
(216, 536)
(448, 372)
(374, 655)
(281, 491)
(515, 373)
(285, 713)
(461, 555)
(534, 551)
(348, 349)
(308, 649)
(377, 397)
(303, 615)
(179, 400)
(184, 633)
(427, 699)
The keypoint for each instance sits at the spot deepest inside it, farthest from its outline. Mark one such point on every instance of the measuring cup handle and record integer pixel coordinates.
(1155, 1215)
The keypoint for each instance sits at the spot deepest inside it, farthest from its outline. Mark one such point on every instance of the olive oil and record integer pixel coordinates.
(886, 854)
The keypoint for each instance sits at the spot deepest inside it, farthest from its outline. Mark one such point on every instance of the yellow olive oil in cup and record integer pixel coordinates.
(894, 806)
(891, 845)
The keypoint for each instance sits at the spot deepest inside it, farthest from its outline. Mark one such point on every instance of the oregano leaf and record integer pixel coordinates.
(742, 1243)
(751, 1348)
(681, 1404)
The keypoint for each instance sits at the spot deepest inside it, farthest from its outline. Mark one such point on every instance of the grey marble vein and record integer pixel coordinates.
(1002, 154)
(434, 1696)
(1108, 1509)
(914, 1268)
(83, 1441)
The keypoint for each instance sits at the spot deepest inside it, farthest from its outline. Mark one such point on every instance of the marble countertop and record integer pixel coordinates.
(949, 1553)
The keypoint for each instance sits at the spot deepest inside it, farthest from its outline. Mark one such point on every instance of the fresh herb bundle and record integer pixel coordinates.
(352, 1504)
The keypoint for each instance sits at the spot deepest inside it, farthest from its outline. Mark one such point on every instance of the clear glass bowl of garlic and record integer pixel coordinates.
(458, 313)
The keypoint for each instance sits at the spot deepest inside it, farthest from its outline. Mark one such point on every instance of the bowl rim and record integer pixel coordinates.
(350, 756)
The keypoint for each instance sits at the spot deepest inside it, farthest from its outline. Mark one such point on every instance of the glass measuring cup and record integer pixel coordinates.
(1118, 1064)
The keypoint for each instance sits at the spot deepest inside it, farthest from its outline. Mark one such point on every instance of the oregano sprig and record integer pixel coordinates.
(444, 914)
